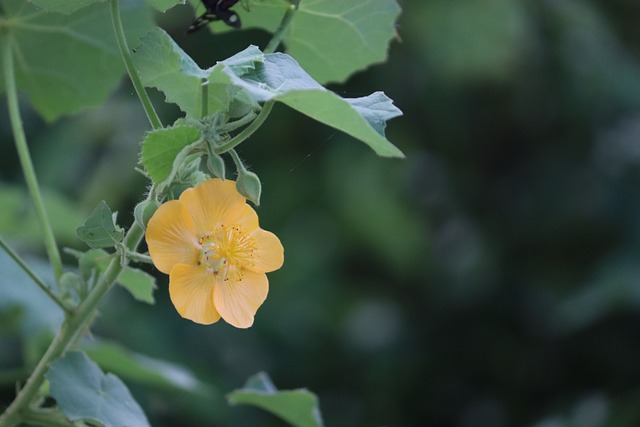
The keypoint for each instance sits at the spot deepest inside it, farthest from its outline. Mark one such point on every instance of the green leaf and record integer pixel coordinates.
(162, 64)
(100, 230)
(298, 407)
(62, 6)
(132, 366)
(332, 39)
(164, 5)
(263, 77)
(65, 63)
(161, 147)
(140, 284)
(84, 393)
(278, 76)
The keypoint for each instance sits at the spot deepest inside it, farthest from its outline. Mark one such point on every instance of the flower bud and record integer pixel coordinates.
(144, 210)
(215, 163)
(248, 184)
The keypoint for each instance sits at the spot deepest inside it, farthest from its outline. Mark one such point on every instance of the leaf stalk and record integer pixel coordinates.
(32, 274)
(25, 160)
(128, 63)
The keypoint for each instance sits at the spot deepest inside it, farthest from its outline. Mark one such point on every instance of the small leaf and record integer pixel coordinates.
(99, 230)
(298, 407)
(84, 393)
(161, 147)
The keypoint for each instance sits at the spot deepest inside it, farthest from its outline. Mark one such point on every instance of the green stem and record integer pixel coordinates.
(237, 124)
(248, 131)
(25, 160)
(238, 162)
(74, 325)
(282, 29)
(34, 276)
(128, 63)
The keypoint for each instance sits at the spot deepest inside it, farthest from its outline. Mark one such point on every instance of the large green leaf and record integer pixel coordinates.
(143, 369)
(263, 77)
(66, 63)
(298, 407)
(332, 39)
(163, 5)
(63, 6)
(162, 64)
(84, 393)
(279, 77)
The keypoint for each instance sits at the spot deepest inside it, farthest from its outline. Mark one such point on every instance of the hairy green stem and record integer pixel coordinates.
(238, 162)
(204, 93)
(237, 124)
(248, 131)
(282, 29)
(32, 274)
(25, 159)
(128, 63)
(72, 327)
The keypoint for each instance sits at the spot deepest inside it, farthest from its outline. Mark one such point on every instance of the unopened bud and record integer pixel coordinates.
(215, 163)
(143, 212)
(248, 184)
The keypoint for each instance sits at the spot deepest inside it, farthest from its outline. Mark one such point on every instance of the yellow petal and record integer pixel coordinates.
(247, 219)
(211, 202)
(171, 237)
(269, 254)
(191, 290)
(237, 302)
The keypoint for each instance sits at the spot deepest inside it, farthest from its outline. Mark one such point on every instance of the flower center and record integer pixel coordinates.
(225, 251)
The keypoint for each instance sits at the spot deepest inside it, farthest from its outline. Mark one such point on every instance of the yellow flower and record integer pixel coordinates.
(210, 244)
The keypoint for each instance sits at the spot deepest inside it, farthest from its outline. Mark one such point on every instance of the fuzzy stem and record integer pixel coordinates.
(128, 63)
(25, 160)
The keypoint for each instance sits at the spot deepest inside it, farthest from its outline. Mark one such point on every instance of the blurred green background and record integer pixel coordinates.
(492, 278)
